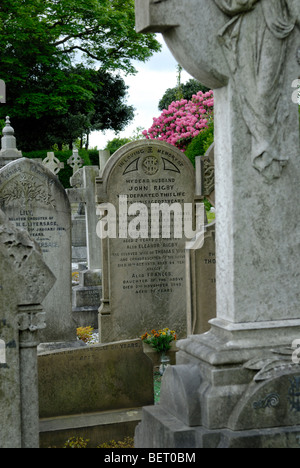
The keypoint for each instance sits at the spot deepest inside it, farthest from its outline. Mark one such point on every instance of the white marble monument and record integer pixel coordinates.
(247, 52)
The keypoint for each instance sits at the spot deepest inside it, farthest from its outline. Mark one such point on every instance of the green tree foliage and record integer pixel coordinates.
(116, 143)
(186, 90)
(104, 107)
(41, 44)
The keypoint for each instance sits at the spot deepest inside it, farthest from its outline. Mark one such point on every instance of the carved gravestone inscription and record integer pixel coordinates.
(34, 200)
(145, 267)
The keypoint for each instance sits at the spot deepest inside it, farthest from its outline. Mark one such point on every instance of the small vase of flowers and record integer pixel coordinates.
(161, 341)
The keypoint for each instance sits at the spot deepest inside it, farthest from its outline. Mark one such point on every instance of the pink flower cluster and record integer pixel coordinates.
(183, 120)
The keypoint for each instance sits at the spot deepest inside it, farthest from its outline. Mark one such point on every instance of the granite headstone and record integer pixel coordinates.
(143, 269)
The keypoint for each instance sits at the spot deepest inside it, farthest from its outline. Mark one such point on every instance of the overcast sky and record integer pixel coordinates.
(146, 89)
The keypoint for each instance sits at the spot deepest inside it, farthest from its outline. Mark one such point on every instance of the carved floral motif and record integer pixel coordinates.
(25, 189)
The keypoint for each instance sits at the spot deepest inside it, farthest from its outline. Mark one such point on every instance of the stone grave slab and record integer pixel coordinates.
(107, 383)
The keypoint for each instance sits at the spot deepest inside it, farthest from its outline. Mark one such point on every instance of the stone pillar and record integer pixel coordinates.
(9, 150)
(31, 319)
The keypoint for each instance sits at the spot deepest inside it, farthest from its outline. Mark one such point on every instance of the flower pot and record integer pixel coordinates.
(155, 356)
(164, 362)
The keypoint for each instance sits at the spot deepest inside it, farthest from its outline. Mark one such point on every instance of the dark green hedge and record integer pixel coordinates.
(90, 158)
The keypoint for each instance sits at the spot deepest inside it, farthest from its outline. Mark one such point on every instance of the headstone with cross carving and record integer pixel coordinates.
(143, 272)
(247, 51)
(25, 281)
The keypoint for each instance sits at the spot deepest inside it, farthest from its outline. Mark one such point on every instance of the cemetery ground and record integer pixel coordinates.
(231, 290)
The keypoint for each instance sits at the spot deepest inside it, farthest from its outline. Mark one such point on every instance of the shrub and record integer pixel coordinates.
(76, 443)
(116, 143)
(128, 442)
(183, 120)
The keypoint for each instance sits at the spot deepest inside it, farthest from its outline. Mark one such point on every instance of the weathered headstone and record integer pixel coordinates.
(25, 281)
(79, 244)
(79, 247)
(201, 280)
(98, 390)
(247, 52)
(87, 296)
(35, 201)
(9, 151)
(143, 272)
(201, 254)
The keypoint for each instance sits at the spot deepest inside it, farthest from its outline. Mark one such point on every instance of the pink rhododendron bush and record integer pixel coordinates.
(183, 120)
